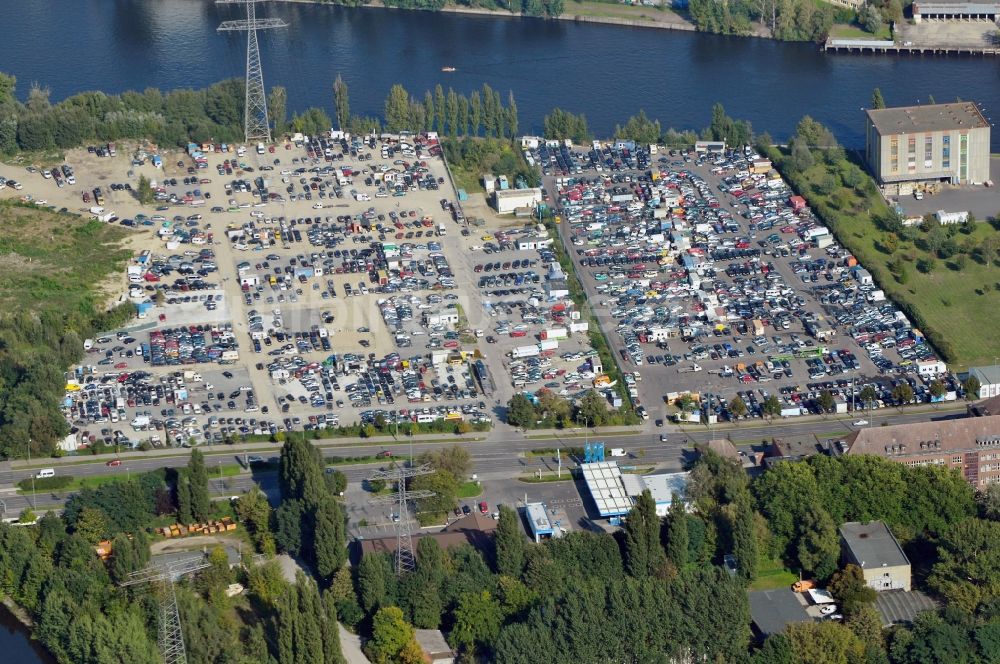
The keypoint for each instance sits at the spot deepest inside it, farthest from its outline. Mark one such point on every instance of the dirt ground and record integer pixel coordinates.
(196, 543)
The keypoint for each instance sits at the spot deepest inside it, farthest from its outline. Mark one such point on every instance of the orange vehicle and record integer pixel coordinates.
(803, 585)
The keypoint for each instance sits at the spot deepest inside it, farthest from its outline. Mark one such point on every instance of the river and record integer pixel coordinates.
(15, 643)
(607, 72)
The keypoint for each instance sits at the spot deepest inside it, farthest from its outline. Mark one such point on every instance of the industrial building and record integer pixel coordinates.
(966, 11)
(872, 547)
(538, 522)
(507, 201)
(615, 492)
(970, 445)
(915, 146)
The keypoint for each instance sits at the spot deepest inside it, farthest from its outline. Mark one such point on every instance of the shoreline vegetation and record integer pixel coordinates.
(780, 20)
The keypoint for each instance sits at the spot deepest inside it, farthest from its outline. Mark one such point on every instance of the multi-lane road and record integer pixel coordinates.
(502, 455)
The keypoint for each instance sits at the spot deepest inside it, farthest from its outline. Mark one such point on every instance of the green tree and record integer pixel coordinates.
(455, 459)
(475, 112)
(737, 407)
(277, 109)
(818, 544)
(971, 386)
(824, 642)
(512, 119)
(375, 582)
(254, 511)
(771, 406)
(144, 191)
(330, 548)
(848, 586)
(744, 538)
(184, 513)
(826, 401)
(451, 110)
(902, 394)
(445, 488)
(866, 623)
(967, 573)
(593, 409)
(440, 109)
(510, 543)
(288, 525)
(677, 532)
(341, 102)
(937, 389)
(520, 412)
(201, 505)
(478, 618)
(877, 100)
(643, 553)
(390, 634)
(868, 395)
(92, 524)
(397, 109)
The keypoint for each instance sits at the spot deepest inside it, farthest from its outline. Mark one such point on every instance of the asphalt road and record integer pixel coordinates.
(501, 456)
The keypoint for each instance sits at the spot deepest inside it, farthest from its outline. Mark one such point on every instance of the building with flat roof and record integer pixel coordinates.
(945, 10)
(508, 200)
(615, 492)
(989, 380)
(435, 647)
(872, 547)
(538, 522)
(970, 445)
(911, 146)
(771, 611)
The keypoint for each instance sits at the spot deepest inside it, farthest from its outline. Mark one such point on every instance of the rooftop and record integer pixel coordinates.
(538, 519)
(872, 545)
(899, 606)
(604, 481)
(663, 487)
(773, 610)
(988, 375)
(928, 117)
(926, 437)
(985, 407)
(432, 642)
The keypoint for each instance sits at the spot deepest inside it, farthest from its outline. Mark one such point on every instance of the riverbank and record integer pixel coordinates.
(578, 12)
(16, 642)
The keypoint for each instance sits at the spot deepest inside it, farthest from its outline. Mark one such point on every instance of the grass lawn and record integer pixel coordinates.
(955, 301)
(851, 31)
(772, 574)
(549, 476)
(53, 261)
(469, 490)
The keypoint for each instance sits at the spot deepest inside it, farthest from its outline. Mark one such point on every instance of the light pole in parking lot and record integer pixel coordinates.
(32, 476)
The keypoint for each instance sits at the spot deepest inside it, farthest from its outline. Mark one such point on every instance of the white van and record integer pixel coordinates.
(617, 452)
(45, 472)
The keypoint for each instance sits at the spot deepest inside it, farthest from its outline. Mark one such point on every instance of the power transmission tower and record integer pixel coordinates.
(256, 125)
(170, 636)
(404, 542)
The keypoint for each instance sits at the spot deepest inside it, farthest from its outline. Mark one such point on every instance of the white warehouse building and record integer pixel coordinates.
(506, 201)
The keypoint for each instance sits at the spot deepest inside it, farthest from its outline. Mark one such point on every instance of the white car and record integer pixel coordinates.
(828, 609)
(861, 423)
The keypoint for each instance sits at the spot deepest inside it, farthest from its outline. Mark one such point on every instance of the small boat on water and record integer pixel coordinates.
(448, 69)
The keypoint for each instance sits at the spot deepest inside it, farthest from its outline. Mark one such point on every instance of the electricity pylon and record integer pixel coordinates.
(399, 474)
(256, 125)
(170, 636)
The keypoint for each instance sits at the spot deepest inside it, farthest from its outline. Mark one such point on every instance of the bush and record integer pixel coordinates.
(46, 483)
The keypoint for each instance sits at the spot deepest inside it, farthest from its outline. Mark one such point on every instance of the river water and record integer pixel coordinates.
(606, 72)
(15, 644)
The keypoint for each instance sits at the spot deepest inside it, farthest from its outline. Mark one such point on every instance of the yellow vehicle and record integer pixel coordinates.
(803, 585)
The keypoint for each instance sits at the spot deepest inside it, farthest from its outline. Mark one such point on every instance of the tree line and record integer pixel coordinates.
(168, 118)
(561, 124)
(787, 20)
(537, 8)
(481, 113)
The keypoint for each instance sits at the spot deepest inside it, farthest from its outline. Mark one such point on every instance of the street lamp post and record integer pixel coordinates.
(33, 503)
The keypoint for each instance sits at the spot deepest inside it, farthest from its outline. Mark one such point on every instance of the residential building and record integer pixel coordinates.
(970, 445)
(989, 380)
(918, 145)
(872, 547)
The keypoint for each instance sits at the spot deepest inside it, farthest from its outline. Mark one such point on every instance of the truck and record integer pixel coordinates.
(525, 351)
(548, 344)
(554, 333)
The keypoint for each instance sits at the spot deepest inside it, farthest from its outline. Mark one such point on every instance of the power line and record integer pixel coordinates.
(256, 124)
(405, 558)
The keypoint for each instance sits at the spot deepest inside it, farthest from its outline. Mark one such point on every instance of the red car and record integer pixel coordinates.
(121, 365)
(114, 463)
(484, 508)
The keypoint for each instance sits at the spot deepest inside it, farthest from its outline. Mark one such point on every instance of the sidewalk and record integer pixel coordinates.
(240, 448)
